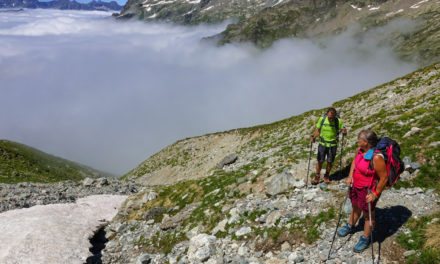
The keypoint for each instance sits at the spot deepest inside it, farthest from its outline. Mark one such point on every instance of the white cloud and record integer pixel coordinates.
(109, 94)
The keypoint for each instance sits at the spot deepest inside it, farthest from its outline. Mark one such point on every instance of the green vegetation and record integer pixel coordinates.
(162, 242)
(296, 230)
(422, 237)
(211, 193)
(21, 163)
(412, 101)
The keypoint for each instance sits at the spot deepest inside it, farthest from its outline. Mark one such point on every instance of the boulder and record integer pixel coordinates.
(101, 182)
(87, 182)
(272, 218)
(434, 144)
(409, 253)
(174, 221)
(143, 259)
(415, 165)
(243, 231)
(299, 184)
(154, 212)
(220, 226)
(201, 248)
(413, 131)
(279, 184)
(149, 196)
(310, 194)
(230, 159)
(286, 247)
(405, 176)
(194, 232)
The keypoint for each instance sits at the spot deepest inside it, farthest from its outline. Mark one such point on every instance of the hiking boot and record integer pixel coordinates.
(326, 178)
(345, 230)
(362, 244)
(316, 180)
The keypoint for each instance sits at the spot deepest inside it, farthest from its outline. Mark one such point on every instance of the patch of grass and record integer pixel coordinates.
(422, 237)
(162, 242)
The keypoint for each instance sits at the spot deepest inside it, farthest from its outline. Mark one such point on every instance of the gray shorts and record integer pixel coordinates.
(330, 152)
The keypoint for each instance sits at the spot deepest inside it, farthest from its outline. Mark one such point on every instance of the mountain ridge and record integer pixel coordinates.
(262, 22)
(22, 163)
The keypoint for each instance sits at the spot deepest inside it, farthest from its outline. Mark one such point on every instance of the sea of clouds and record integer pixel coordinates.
(109, 93)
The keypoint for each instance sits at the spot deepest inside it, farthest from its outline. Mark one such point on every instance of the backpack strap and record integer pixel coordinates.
(337, 126)
(322, 123)
(371, 166)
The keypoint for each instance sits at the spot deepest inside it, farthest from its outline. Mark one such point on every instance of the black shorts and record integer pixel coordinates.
(330, 152)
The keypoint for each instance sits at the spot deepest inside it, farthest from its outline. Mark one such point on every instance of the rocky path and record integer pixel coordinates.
(24, 195)
(393, 210)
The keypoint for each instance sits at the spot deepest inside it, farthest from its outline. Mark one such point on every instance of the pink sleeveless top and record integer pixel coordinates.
(363, 176)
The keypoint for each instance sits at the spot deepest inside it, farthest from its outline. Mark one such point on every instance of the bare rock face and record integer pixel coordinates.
(192, 12)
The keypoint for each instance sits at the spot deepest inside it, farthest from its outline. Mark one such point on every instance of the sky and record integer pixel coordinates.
(120, 2)
(110, 94)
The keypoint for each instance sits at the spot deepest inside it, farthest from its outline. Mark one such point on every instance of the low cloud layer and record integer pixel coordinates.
(110, 94)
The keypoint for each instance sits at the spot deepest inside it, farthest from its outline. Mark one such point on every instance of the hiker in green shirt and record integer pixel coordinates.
(327, 129)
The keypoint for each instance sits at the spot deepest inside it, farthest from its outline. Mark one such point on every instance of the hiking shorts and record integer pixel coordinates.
(323, 151)
(358, 198)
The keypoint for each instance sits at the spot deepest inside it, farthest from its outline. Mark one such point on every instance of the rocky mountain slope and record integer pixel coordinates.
(250, 203)
(61, 4)
(413, 25)
(193, 11)
(21, 163)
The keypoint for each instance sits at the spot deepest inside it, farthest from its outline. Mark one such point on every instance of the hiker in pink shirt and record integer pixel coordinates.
(362, 178)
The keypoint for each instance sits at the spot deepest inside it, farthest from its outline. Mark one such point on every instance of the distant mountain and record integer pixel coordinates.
(61, 4)
(21, 163)
(262, 22)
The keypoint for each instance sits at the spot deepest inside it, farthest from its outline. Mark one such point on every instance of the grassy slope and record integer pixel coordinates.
(390, 109)
(21, 163)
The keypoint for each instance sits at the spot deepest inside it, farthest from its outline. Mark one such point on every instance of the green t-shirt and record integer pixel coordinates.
(328, 131)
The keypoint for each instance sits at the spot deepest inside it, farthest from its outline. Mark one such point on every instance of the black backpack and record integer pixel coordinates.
(390, 150)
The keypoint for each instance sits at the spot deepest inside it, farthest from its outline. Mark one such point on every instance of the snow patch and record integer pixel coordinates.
(206, 9)
(394, 13)
(56, 233)
(415, 6)
(374, 8)
(146, 4)
(357, 8)
(279, 2)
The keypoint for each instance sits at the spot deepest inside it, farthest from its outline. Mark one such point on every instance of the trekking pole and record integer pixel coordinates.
(308, 167)
(371, 229)
(339, 220)
(340, 161)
